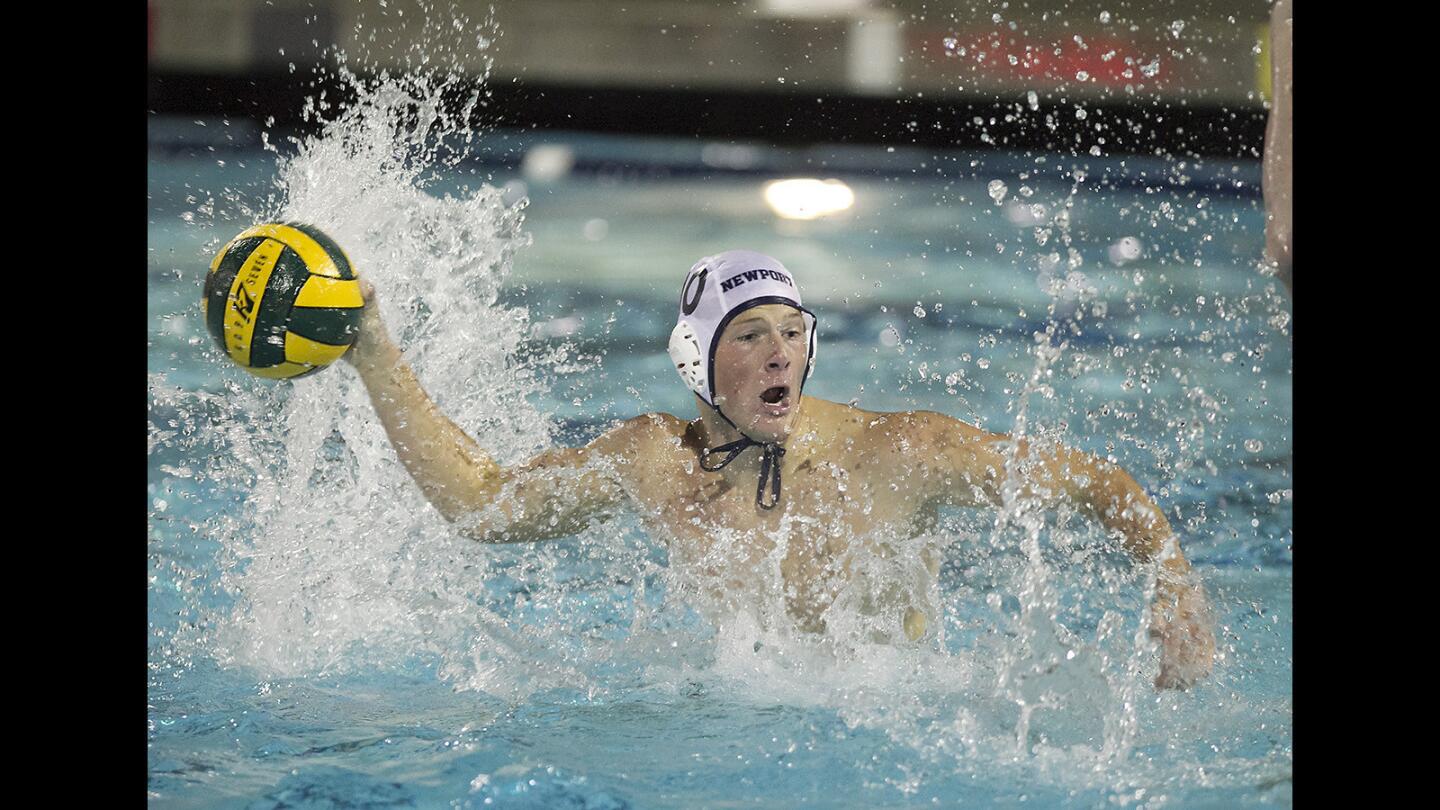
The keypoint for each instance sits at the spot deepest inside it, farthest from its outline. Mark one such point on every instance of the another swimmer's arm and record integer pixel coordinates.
(967, 468)
(1278, 180)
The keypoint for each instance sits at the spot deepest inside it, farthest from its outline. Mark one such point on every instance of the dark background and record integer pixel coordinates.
(1155, 78)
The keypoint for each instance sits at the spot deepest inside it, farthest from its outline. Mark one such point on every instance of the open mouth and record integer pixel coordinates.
(773, 396)
(776, 401)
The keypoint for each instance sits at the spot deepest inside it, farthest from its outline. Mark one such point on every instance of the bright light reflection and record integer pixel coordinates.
(808, 198)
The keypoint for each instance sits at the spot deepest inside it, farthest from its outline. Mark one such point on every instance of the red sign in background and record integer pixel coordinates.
(1000, 57)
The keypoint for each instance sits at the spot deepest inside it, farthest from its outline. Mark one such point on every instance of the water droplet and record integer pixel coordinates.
(1104, 16)
(1176, 27)
(1152, 68)
(919, 311)
(1127, 249)
(997, 191)
(1254, 445)
(1033, 99)
(1082, 75)
(983, 362)
(596, 229)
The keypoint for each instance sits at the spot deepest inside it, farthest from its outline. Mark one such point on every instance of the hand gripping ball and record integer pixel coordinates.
(282, 300)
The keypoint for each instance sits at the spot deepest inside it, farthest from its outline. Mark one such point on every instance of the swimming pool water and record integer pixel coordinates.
(319, 637)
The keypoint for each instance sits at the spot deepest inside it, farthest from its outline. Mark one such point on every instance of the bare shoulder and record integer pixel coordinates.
(924, 454)
(643, 435)
(939, 429)
(905, 431)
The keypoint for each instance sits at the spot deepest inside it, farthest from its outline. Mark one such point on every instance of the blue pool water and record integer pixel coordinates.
(320, 637)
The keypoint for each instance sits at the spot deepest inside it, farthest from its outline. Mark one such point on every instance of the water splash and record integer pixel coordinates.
(335, 562)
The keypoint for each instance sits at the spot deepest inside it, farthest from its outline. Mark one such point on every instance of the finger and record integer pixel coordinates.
(1171, 681)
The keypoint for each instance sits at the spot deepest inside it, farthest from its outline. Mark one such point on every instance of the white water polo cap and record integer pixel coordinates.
(717, 289)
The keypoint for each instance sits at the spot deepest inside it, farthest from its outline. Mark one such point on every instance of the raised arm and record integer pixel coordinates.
(965, 466)
(553, 495)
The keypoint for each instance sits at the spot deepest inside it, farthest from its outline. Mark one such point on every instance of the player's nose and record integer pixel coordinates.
(778, 359)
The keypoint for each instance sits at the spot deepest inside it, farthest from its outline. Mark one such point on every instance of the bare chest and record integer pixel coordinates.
(828, 514)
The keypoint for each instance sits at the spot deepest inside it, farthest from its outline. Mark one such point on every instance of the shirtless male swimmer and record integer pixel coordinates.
(760, 453)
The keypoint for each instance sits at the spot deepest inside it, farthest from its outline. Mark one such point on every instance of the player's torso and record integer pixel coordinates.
(837, 505)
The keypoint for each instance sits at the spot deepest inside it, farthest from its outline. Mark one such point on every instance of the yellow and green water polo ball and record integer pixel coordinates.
(282, 300)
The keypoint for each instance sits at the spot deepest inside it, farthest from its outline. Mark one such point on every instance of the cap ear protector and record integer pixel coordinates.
(685, 354)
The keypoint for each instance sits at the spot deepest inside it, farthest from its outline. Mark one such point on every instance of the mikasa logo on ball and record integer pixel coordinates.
(244, 304)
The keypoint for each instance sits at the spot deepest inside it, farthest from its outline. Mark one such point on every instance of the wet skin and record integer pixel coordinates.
(854, 483)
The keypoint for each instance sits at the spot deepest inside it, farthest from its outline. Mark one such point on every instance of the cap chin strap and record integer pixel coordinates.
(771, 455)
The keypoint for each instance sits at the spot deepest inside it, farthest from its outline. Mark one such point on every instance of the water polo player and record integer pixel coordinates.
(763, 462)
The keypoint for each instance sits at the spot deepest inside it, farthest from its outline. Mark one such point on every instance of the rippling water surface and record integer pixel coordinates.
(320, 637)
